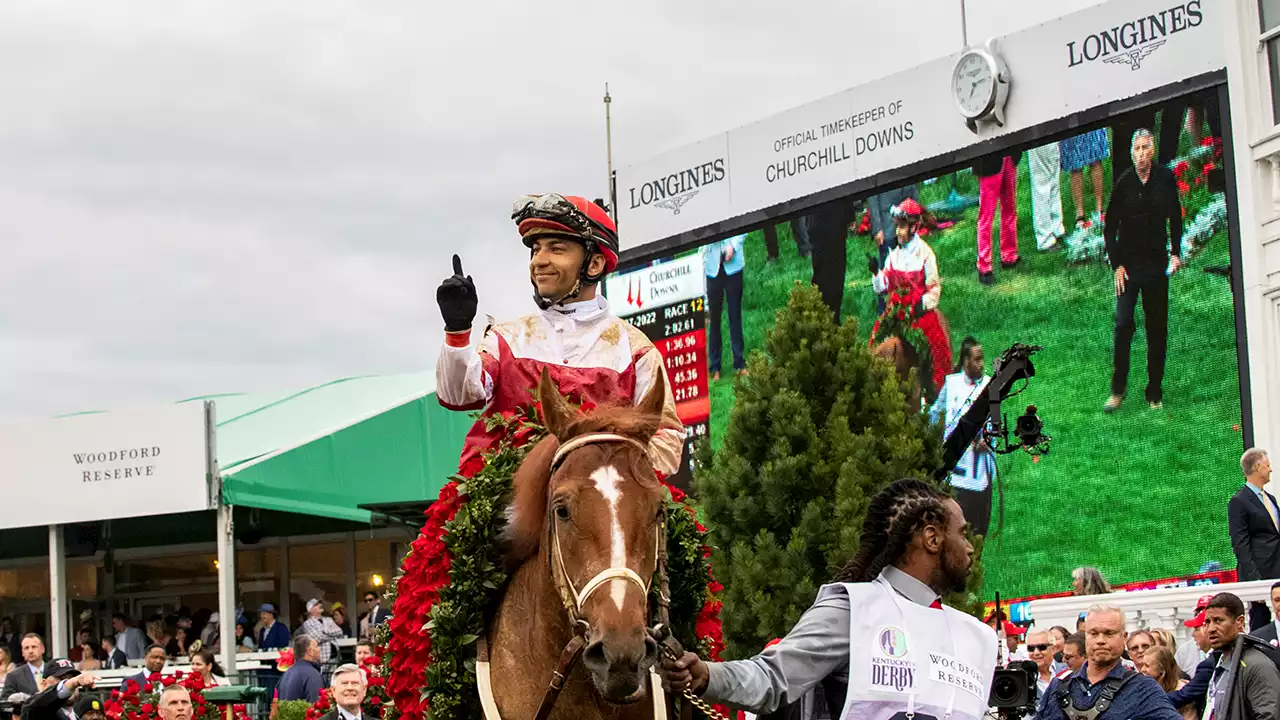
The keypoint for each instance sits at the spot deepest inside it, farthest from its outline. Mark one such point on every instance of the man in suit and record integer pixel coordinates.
(60, 687)
(349, 687)
(153, 663)
(272, 635)
(115, 657)
(128, 638)
(24, 680)
(373, 616)
(1253, 519)
(1271, 631)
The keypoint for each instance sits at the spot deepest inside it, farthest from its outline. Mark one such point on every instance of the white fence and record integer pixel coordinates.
(1145, 609)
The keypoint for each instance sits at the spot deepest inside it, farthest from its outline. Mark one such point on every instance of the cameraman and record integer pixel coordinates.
(1136, 696)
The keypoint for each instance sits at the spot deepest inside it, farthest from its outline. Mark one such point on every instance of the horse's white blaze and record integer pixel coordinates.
(609, 484)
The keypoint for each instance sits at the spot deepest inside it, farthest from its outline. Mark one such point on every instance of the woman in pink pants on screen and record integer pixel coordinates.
(997, 184)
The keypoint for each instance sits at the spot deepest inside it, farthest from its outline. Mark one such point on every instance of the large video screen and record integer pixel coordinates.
(1141, 463)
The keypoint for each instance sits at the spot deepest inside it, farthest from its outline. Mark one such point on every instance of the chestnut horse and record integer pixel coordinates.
(583, 541)
(904, 359)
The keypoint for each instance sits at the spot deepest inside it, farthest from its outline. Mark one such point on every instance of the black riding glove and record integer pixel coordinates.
(457, 299)
(873, 264)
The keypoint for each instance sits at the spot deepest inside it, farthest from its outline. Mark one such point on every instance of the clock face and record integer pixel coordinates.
(973, 84)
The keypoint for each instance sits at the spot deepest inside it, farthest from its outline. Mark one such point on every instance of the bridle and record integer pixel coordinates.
(573, 599)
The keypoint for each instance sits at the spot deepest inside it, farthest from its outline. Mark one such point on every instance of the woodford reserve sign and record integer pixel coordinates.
(130, 463)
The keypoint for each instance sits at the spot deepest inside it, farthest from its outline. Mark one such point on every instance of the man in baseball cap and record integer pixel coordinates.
(1197, 620)
(60, 683)
(1195, 660)
(89, 708)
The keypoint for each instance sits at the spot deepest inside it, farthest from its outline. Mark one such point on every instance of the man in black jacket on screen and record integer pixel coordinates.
(1143, 233)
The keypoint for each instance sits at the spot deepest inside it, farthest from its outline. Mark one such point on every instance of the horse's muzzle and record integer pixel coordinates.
(619, 673)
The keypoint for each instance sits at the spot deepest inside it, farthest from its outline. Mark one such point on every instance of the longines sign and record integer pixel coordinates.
(674, 190)
(1130, 43)
(1107, 52)
(131, 463)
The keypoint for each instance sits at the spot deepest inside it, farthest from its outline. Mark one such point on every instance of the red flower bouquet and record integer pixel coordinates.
(286, 660)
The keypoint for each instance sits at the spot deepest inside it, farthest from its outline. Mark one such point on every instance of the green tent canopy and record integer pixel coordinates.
(326, 450)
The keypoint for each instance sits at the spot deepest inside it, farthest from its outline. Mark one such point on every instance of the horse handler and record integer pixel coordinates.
(591, 355)
(900, 653)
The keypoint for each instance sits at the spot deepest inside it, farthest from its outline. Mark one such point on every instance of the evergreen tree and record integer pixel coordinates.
(817, 428)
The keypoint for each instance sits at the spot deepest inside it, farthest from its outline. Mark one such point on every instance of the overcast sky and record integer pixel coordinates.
(202, 197)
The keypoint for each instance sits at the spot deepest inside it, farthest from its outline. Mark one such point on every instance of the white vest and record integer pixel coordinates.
(907, 660)
(974, 471)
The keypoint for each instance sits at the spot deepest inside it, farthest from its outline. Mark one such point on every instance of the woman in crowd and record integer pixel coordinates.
(158, 634)
(6, 662)
(339, 615)
(88, 656)
(1058, 635)
(1164, 638)
(1139, 643)
(204, 665)
(1078, 154)
(1088, 581)
(1160, 664)
(178, 646)
(244, 639)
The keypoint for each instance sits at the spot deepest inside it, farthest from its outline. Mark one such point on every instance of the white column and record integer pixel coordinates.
(226, 541)
(58, 628)
(227, 586)
(351, 583)
(1256, 202)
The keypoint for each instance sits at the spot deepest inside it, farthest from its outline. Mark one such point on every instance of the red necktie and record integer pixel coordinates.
(936, 604)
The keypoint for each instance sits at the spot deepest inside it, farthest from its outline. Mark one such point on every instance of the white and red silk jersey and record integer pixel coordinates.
(916, 259)
(589, 353)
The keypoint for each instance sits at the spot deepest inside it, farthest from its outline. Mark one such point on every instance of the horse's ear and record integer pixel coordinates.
(654, 400)
(557, 413)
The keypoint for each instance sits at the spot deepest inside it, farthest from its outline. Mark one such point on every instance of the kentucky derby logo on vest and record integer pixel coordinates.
(1130, 43)
(891, 672)
(893, 642)
(675, 190)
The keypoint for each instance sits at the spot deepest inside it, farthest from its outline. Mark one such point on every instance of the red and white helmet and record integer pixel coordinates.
(568, 216)
(908, 210)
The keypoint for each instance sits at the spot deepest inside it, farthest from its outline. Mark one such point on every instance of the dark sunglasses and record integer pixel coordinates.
(1038, 648)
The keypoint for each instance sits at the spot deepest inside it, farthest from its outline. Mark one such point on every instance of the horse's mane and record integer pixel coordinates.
(528, 509)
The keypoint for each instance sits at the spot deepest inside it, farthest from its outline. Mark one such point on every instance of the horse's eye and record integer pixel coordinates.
(562, 512)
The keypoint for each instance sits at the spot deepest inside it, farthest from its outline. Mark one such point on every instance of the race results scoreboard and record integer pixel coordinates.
(667, 302)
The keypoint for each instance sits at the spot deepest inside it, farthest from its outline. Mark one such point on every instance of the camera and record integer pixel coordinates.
(1029, 431)
(1014, 690)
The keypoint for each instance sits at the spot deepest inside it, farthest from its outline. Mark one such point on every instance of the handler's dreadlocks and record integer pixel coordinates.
(893, 517)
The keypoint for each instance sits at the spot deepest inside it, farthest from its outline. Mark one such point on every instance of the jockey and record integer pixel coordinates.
(590, 354)
(912, 264)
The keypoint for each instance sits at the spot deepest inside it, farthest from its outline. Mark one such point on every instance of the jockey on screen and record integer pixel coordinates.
(912, 264)
(590, 354)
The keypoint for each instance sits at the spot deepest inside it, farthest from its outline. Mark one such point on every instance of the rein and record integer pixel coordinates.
(573, 599)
